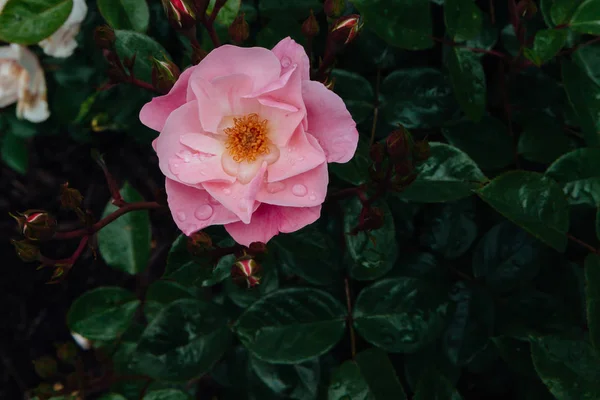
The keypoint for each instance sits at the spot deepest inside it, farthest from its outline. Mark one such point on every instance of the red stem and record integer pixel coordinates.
(145, 85)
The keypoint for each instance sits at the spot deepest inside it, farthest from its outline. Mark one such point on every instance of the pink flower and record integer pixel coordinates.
(245, 138)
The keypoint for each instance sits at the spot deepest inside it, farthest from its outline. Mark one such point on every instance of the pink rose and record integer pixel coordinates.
(245, 138)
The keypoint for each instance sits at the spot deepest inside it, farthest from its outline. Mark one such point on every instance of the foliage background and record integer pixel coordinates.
(482, 283)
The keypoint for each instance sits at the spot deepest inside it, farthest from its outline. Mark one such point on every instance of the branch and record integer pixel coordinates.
(350, 320)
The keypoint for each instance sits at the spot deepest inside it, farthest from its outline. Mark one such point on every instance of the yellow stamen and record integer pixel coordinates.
(247, 138)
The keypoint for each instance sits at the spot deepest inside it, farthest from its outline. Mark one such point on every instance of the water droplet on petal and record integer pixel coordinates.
(312, 197)
(299, 190)
(286, 62)
(181, 216)
(301, 159)
(227, 191)
(192, 228)
(290, 149)
(175, 168)
(203, 212)
(275, 187)
(244, 204)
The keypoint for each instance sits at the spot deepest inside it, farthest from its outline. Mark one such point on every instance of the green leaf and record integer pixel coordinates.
(183, 341)
(547, 44)
(586, 18)
(543, 139)
(578, 173)
(434, 386)
(532, 201)
(357, 93)
(449, 229)
(112, 396)
(278, 28)
(417, 98)
(487, 142)
(588, 59)
(298, 9)
(131, 43)
(517, 354)
(406, 24)
(103, 313)
(160, 294)
(125, 242)
(125, 14)
(290, 326)
(227, 13)
(562, 10)
(507, 257)
(30, 21)
(487, 37)
(167, 394)
(584, 96)
(568, 368)
(401, 315)
(370, 376)
(463, 19)
(447, 175)
(355, 171)
(468, 80)
(374, 252)
(14, 152)
(297, 381)
(417, 365)
(592, 294)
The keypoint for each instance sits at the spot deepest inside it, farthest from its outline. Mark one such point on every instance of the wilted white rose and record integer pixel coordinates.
(22, 81)
(62, 43)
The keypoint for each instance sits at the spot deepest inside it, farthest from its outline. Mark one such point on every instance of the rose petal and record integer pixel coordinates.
(304, 190)
(298, 156)
(194, 209)
(62, 43)
(155, 114)
(268, 221)
(330, 122)
(289, 52)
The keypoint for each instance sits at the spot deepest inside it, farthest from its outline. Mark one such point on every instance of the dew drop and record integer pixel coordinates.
(286, 62)
(299, 190)
(192, 228)
(290, 149)
(301, 159)
(275, 187)
(312, 197)
(181, 216)
(203, 212)
(244, 204)
(175, 168)
(227, 191)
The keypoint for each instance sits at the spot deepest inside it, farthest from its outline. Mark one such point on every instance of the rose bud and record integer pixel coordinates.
(421, 151)
(346, 28)
(45, 367)
(257, 248)
(198, 243)
(377, 152)
(239, 30)
(104, 36)
(26, 251)
(164, 74)
(66, 352)
(36, 224)
(181, 13)
(70, 198)
(334, 8)
(310, 27)
(246, 270)
(403, 167)
(399, 143)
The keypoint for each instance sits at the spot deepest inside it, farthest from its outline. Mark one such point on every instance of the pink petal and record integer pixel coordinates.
(305, 190)
(268, 221)
(155, 114)
(298, 156)
(289, 52)
(194, 209)
(172, 153)
(330, 122)
(260, 64)
(237, 197)
(203, 143)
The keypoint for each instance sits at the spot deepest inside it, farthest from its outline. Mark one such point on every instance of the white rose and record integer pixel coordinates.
(62, 43)
(22, 81)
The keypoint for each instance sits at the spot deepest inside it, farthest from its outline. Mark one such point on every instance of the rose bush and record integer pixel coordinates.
(245, 138)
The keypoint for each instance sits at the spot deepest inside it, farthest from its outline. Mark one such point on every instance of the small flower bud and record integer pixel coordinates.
(310, 27)
(399, 144)
(329, 83)
(198, 243)
(26, 251)
(246, 270)
(164, 73)
(239, 30)
(527, 8)
(346, 28)
(421, 151)
(373, 219)
(403, 168)
(377, 152)
(45, 367)
(181, 13)
(36, 224)
(334, 8)
(257, 247)
(70, 198)
(104, 36)
(66, 352)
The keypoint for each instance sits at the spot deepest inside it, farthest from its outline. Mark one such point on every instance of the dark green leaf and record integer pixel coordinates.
(131, 43)
(532, 201)
(507, 257)
(167, 394)
(578, 172)
(406, 24)
(125, 14)
(297, 381)
(588, 59)
(562, 10)
(592, 294)
(370, 376)
(292, 325)
(417, 98)
(183, 341)
(463, 19)
(162, 293)
(125, 242)
(517, 354)
(357, 93)
(417, 365)
(448, 174)
(543, 140)
(14, 153)
(434, 386)
(278, 28)
(547, 44)
(468, 80)
(103, 313)
(355, 171)
(30, 21)
(487, 142)
(374, 252)
(296, 9)
(487, 37)
(401, 314)
(227, 13)
(584, 96)
(586, 18)
(21, 128)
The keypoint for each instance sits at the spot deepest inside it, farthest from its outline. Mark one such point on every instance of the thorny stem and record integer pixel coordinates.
(67, 261)
(142, 205)
(583, 244)
(473, 49)
(136, 82)
(350, 320)
(209, 24)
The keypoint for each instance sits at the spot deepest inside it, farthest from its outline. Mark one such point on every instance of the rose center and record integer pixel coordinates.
(247, 138)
